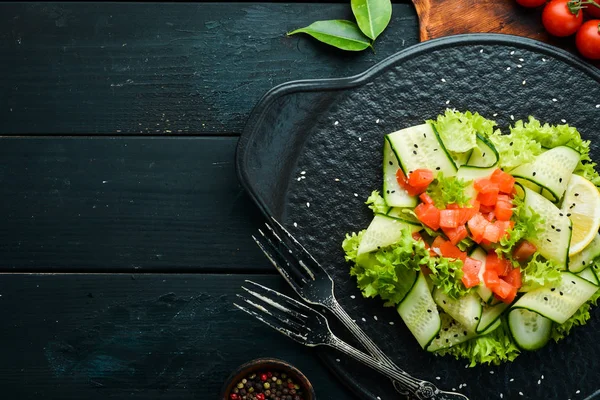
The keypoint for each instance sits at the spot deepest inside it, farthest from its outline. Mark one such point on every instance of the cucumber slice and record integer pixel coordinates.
(461, 158)
(483, 291)
(584, 258)
(529, 329)
(553, 242)
(466, 310)
(393, 194)
(405, 214)
(451, 333)
(558, 303)
(589, 276)
(420, 147)
(484, 155)
(530, 185)
(468, 173)
(419, 312)
(490, 316)
(550, 170)
(383, 231)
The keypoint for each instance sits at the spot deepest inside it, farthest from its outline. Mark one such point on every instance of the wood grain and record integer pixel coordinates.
(152, 68)
(150, 336)
(125, 204)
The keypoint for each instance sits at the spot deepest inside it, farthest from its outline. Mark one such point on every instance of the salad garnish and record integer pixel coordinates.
(486, 242)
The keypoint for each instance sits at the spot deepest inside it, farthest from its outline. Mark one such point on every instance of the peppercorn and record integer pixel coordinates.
(266, 385)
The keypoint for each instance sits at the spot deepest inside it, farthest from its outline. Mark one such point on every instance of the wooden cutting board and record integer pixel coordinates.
(439, 18)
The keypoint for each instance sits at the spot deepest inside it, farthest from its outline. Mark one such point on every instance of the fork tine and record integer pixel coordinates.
(293, 335)
(311, 270)
(276, 313)
(272, 257)
(297, 307)
(288, 252)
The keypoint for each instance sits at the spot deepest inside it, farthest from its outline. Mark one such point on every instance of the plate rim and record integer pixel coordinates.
(341, 83)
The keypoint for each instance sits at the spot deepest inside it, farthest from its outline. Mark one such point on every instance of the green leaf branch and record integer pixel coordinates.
(372, 17)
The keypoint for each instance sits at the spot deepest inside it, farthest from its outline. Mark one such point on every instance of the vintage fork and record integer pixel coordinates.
(312, 283)
(310, 328)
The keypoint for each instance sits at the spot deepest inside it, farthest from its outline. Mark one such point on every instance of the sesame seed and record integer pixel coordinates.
(391, 323)
(298, 179)
(512, 117)
(447, 101)
(512, 52)
(494, 114)
(545, 298)
(417, 146)
(363, 319)
(391, 163)
(501, 396)
(355, 194)
(377, 121)
(307, 204)
(520, 59)
(512, 379)
(375, 317)
(443, 80)
(508, 68)
(555, 100)
(597, 105)
(492, 372)
(337, 359)
(438, 378)
(534, 173)
(578, 391)
(378, 398)
(336, 123)
(576, 194)
(454, 389)
(519, 66)
(560, 179)
(520, 393)
(302, 172)
(337, 179)
(539, 381)
(524, 82)
(295, 225)
(544, 60)
(564, 121)
(352, 296)
(360, 139)
(437, 168)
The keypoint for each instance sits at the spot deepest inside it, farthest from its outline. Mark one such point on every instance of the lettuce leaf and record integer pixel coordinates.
(540, 272)
(528, 223)
(449, 190)
(515, 149)
(494, 348)
(446, 276)
(458, 130)
(377, 203)
(351, 243)
(581, 316)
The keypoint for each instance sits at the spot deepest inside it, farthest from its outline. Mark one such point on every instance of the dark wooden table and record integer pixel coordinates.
(125, 232)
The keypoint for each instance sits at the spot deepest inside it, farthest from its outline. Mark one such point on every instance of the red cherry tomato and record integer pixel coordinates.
(588, 39)
(531, 3)
(592, 9)
(559, 20)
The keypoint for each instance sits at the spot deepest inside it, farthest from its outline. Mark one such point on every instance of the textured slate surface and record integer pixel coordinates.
(342, 139)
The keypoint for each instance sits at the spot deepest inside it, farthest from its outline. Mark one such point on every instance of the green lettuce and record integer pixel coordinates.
(377, 203)
(528, 223)
(458, 130)
(446, 276)
(444, 191)
(581, 316)
(540, 272)
(494, 348)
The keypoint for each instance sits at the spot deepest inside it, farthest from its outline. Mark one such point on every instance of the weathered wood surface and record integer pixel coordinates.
(156, 68)
(117, 336)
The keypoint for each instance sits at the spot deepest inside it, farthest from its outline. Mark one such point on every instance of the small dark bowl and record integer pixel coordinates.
(273, 364)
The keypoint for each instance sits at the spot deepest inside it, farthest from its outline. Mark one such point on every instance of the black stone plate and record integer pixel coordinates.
(319, 143)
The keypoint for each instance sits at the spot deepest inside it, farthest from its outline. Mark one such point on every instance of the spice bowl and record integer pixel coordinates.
(261, 378)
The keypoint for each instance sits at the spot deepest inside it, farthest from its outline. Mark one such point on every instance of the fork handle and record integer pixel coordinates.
(419, 389)
(341, 314)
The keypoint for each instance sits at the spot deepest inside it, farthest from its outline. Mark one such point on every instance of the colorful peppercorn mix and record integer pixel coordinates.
(270, 385)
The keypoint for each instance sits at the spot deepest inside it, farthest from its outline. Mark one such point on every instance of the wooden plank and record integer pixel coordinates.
(149, 68)
(135, 336)
(124, 204)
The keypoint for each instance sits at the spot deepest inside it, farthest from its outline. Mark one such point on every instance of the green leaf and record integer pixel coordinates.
(339, 33)
(373, 16)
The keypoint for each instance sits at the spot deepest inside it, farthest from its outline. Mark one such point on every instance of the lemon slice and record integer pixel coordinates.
(582, 205)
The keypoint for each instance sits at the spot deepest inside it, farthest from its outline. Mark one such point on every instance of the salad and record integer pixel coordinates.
(486, 242)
